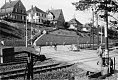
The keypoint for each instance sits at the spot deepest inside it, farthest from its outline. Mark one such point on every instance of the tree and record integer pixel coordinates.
(106, 6)
(66, 25)
(83, 5)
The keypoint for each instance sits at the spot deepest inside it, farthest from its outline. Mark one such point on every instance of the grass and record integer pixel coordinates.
(60, 74)
(59, 37)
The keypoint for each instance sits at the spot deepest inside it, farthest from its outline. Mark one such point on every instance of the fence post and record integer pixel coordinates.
(114, 63)
(1, 56)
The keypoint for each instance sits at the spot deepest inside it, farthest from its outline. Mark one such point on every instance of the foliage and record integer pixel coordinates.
(112, 34)
(66, 25)
(86, 4)
(109, 5)
(82, 6)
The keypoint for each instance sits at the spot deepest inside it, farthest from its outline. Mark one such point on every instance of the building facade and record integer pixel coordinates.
(13, 10)
(38, 15)
(56, 17)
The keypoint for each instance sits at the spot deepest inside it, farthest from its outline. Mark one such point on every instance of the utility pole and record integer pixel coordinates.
(26, 33)
(30, 56)
(101, 34)
(5, 8)
(31, 25)
(106, 28)
(93, 27)
(97, 28)
(106, 35)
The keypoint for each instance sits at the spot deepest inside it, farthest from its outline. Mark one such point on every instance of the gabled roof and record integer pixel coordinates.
(35, 9)
(75, 21)
(56, 13)
(9, 4)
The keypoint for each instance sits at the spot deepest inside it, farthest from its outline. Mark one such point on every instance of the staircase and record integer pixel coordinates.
(37, 38)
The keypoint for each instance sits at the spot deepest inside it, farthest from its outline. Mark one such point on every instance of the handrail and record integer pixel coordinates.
(34, 43)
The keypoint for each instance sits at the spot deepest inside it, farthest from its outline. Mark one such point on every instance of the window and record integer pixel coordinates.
(16, 10)
(40, 14)
(21, 17)
(42, 20)
(37, 14)
(21, 11)
(24, 17)
(11, 16)
(45, 15)
(15, 17)
(37, 20)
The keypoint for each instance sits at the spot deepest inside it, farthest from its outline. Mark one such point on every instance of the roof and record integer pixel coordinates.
(8, 10)
(75, 21)
(9, 4)
(56, 13)
(8, 7)
(35, 9)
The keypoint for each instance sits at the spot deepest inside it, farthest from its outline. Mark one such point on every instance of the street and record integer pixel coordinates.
(86, 59)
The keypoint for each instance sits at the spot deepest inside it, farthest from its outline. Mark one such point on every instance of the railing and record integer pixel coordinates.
(21, 71)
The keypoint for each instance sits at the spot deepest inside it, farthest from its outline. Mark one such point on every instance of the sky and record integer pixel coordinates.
(68, 9)
(66, 6)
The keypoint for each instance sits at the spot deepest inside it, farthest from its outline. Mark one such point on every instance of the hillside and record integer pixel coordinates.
(8, 31)
(14, 34)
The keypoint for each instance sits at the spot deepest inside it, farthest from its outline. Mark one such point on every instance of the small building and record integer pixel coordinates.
(13, 10)
(75, 24)
(38, 15)
(56, 17)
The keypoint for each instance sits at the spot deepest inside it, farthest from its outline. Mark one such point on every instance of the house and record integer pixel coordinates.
(75, 24)
(13, 10)
(56, 17)
(38, 15)
(87, 27)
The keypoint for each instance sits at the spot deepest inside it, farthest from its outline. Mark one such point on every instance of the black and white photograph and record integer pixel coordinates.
(58, 39)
